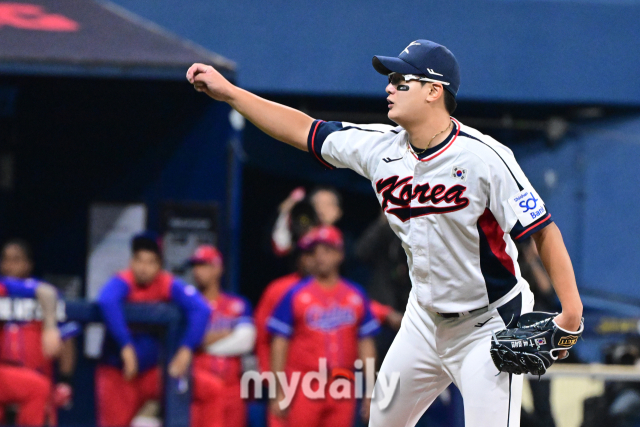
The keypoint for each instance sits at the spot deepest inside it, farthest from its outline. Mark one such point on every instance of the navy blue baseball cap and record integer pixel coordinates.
(423, 57)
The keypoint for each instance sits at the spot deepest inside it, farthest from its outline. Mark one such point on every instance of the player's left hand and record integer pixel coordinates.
(365, 409)
(180, 363)
(51, 342)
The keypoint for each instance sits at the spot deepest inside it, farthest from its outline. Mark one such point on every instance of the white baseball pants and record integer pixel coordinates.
(430, 352)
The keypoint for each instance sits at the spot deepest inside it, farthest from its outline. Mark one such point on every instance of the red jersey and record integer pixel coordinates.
(270, 298)
(157, 291)
(323, 323)
(21, 342)
(228, 311)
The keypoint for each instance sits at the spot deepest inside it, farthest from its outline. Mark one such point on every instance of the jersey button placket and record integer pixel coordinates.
(420, 241)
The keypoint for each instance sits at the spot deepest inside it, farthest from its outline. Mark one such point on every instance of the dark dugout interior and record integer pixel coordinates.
(68, 142)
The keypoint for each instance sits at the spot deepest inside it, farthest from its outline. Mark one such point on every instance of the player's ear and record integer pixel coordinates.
(436, 91)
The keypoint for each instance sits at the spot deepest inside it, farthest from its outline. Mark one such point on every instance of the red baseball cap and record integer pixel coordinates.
(326, 234)
(206, 254)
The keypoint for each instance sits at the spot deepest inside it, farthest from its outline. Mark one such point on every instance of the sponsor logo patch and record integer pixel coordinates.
(527, 206)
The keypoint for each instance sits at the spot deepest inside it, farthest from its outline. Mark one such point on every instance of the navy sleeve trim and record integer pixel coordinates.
(520, 187)
(319, 132)
(519, 233)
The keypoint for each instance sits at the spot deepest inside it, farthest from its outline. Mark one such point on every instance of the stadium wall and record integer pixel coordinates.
(533, 51)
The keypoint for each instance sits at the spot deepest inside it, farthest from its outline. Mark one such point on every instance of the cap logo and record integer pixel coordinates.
(406, 49)
(433, 72)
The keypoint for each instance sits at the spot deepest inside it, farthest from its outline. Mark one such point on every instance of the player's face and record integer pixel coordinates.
(206, 275)
(15, 262)
(306, 263)
(407, 101)
(327, 260)
(145, 265)
(327, 207)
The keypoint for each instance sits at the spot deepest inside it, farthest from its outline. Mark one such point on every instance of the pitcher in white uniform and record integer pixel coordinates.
(457, 199)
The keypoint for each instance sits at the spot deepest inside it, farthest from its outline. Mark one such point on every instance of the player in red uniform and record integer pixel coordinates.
(25, 336)
(323, 316)
(129, 375)
(270, 298)
(29, 389)
(230, 334)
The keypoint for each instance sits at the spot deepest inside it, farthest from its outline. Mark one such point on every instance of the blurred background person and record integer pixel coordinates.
(272, 295)
(24, 386)
(17, 261)
(269, 299)
(322, 309)
(534, 273)
(327, 203)
(380, 249)
(128, 374)
(230, 334)
(295, 218)
(389, 283)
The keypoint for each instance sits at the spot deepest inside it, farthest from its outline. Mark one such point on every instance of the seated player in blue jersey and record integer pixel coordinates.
(20, 385)
(128, 374)
(322, 317)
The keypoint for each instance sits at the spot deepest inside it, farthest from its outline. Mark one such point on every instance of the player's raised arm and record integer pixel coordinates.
(276, 120)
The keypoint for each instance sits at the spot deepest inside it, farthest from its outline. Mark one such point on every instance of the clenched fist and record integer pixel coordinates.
(205, 78)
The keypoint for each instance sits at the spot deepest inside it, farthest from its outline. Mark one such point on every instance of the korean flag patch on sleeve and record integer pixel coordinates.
(528, 206)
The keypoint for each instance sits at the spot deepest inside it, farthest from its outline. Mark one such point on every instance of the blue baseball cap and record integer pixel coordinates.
(423, 57)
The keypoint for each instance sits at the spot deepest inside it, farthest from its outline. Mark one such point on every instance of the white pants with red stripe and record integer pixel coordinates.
(430, 352)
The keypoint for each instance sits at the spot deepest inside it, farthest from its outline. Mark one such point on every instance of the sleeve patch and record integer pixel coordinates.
(527, 206)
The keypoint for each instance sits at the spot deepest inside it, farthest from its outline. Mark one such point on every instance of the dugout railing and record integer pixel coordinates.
(176, 393)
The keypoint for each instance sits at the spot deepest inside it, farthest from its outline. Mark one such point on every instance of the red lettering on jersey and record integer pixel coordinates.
(400, 192)
(34, 17)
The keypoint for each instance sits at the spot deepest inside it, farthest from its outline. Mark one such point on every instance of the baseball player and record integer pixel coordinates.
(457, 199)
(26, 344)
(30, 389)
(128, 374)
(230, 334)
(322, 316)
(269, 299)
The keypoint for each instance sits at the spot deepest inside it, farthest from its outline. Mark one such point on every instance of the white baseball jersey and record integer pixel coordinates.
(457, 209)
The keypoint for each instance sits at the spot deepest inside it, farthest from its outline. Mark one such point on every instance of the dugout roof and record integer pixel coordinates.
(90, 38)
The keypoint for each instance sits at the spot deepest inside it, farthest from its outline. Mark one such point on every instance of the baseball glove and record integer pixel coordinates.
(530, 346)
